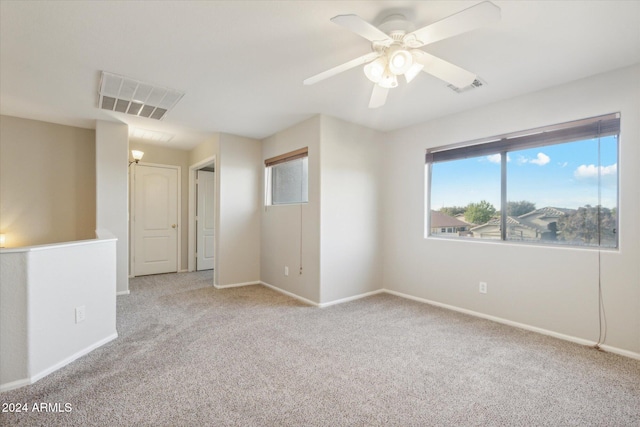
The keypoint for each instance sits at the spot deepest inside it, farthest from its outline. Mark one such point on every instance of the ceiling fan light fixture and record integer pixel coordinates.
(395, 49)
(388, 80)
(374, 70)
(400, 60)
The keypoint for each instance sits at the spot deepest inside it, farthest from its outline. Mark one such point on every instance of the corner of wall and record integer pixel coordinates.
(351, 249)
(112, 158)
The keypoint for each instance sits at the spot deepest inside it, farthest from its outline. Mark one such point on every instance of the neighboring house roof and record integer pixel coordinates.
(541, 218)
(462, 218)
(538, 219)
(495, 222)
(439, 220)
(547, 212)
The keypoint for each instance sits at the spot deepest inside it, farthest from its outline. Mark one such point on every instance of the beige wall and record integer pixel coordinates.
(552, 288)
(47, 182)
(170, 156)
(351, 210)
(112, 140)
(238, 174)
(339, 229)
(205, 150)
(289, 230)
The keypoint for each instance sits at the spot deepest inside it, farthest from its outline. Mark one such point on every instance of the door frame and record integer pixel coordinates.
(132, 213)
(192, 215)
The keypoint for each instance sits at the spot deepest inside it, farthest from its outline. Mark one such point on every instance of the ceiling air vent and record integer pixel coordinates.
(129, 96)
(477, 83)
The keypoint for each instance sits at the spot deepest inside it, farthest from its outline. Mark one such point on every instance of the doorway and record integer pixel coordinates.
(205, 192)
(210, 186)
(155, 219)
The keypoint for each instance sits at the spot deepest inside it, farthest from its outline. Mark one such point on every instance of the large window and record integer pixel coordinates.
(556, 185)
(287, 178)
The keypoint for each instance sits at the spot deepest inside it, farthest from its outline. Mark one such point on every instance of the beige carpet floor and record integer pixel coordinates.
(191, 355)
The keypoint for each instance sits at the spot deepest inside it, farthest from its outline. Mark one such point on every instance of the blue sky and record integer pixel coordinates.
(563, 176)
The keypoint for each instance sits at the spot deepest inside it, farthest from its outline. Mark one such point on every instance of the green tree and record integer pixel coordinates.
(520, 208)
(581, 226)
(479, 213)
(453, 210)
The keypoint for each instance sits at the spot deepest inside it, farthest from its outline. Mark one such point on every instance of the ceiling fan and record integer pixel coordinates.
(395, 49)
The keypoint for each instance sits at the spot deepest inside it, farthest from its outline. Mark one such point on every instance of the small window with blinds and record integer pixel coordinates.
(287, 178)
(553, 185)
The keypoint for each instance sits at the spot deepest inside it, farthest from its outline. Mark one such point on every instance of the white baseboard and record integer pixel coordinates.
(524, 326)
(14, 384)
(290, 294)
(621, 352)
(27, 381)
(323, 304)
(73, 357)
(127, 292)
(355, 297)
(237, 285)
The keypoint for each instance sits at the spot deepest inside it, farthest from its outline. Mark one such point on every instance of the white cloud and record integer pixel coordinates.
(563, 164)
(495, 158)
(541, 160)
(591, 171)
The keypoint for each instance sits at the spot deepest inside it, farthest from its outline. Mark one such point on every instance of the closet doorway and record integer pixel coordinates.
(205, 192)
(203, 221)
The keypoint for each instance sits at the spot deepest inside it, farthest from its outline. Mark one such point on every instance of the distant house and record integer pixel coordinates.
(540, 224)
(443, 225)
(462, 218)
(491, 229)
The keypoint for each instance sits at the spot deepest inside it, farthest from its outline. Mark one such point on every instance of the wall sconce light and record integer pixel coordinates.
(2, 240)
(137, 156)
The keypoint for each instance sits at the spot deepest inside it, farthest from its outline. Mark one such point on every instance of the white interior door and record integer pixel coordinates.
(204, 220)
(155, 220)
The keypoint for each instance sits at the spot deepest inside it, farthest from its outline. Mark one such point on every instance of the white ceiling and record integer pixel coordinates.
(241, 63)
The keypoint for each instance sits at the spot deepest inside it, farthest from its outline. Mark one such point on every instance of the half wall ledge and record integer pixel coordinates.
(57, 303)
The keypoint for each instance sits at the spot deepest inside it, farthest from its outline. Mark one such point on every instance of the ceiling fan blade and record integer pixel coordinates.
(378, 96)
(362, 28)
(469, 19)
(450, 73)
(343, 67)
(413, 71)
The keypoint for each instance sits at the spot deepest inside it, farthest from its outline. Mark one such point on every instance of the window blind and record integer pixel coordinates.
(287, 157)
(566, 132)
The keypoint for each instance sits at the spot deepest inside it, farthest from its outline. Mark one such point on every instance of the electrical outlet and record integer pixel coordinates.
(80, 314)
(483, 287)
(286, 270)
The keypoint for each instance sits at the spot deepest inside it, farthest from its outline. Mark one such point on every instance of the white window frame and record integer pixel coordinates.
(595, 127)
(280, 159)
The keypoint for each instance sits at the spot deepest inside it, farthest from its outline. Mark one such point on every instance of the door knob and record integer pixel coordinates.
(174, 225)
